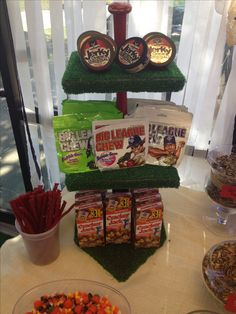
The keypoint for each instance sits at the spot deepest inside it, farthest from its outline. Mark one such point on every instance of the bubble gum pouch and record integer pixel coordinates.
(120, 143)
(168, 134)
(70, 106)
(73, 143)
(73, 133)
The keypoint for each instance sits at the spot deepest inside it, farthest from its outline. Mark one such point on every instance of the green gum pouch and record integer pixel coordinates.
(74, 141)
(90, 106)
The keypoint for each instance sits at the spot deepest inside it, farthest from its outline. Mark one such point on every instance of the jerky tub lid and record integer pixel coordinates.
(133, 54)
(98, 52)
(161, 48)
(82, 37)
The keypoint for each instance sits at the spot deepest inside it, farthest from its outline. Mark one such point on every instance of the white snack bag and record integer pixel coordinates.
(120, 143)
(168, 135)
(139, 104)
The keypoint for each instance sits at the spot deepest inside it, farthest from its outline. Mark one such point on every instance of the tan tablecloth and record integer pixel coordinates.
(170, 282)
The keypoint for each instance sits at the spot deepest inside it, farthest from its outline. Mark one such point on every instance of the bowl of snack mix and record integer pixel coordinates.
(72, 296)
(219, 270)
(221, 186)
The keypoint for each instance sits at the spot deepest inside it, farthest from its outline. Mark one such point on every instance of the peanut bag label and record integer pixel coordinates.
(120, 144)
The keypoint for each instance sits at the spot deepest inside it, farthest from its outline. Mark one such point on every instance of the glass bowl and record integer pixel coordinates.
(222, 183)
(25, 303)
(219, 270)
(220, 217)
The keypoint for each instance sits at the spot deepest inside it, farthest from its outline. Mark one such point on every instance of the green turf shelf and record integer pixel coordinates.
(77, 79)
(121, 260)
(136, 177)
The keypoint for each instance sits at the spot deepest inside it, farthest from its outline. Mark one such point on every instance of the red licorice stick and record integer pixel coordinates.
(53, 206)
(62, 207)
(67, 211)
(25, 224)
(38, 211)
(120, 11)
(37, 190)
(23, 217)
(58, 215)
(43, 214)
(58, 203)
(21, 211)
(49, 212)
(34, 211)
(55, 186)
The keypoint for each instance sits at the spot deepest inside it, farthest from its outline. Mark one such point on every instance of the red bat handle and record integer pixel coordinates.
(119, 11)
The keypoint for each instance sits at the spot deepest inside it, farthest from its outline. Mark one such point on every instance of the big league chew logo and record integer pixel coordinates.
(114, 139)
(155, 130)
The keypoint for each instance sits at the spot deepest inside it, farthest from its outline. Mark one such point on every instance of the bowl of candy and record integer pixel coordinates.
(222, 183)
(72, 296)
(219, 270)
(220, 217)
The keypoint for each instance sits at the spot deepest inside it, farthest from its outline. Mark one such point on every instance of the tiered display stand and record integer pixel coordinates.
(77, 80)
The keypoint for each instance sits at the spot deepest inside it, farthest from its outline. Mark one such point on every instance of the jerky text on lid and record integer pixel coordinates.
(161, 48)
(112, 42)
(83, 37)
(133, 55)
(97, 52)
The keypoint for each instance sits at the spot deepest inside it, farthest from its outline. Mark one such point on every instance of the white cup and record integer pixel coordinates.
(42, 248)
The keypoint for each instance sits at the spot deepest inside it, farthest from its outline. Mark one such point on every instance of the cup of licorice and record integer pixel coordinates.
(38, 215)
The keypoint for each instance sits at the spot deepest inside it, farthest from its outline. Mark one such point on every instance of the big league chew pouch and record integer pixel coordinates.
(169, 127)
(120, 143)
(73, 133)
(93, 135)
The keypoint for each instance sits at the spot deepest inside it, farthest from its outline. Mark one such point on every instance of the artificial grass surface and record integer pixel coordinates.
(121, 260)
(77, 79)
(147, 176)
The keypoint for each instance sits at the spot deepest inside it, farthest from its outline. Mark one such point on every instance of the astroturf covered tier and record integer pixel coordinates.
(146, 176)
(121, 260)
(77, 79)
